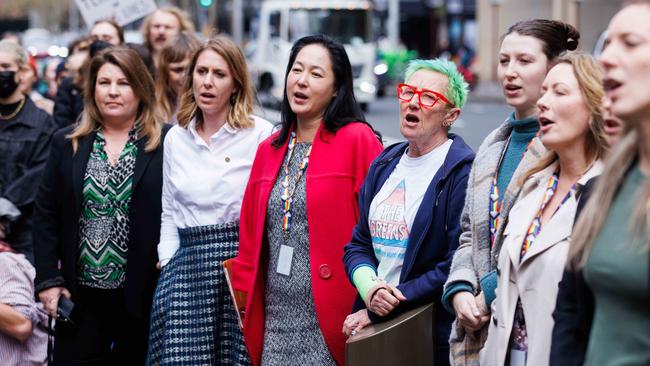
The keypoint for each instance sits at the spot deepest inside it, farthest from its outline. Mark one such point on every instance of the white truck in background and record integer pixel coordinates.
(282, 22)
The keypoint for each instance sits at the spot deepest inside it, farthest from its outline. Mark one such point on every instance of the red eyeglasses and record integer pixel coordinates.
(427, 98)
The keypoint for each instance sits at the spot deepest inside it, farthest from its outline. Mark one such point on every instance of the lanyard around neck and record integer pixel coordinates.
(495, 203)
(536, 225)
(287, 193)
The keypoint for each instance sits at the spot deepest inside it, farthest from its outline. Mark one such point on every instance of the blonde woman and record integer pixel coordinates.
(538, 228)
(528, 50)
(208, 158)
(98, 210)
(173, 61)
(602, 315)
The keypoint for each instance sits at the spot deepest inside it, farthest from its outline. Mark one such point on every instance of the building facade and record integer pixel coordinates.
(591, 17)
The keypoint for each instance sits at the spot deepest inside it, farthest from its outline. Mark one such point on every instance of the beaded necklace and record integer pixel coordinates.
(287, 194)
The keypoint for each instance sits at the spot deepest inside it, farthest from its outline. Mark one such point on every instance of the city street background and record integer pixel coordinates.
(477, 119)
(390, 31)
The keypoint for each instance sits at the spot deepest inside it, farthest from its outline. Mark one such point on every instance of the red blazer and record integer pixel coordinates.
(337, 167)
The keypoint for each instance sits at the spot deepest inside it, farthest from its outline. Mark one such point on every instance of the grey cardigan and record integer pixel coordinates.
(473, 258)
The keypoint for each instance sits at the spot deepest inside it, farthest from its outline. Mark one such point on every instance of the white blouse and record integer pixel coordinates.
(203, 184)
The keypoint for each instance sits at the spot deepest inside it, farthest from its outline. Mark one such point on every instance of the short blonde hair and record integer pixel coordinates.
(13, 48)
(181, 16)
(240, 112)
(140, 81)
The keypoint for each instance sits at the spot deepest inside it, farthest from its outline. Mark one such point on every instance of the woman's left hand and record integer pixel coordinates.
(355, 322)
(385, 299)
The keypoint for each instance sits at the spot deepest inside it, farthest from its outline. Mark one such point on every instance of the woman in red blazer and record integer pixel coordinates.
(298, 212)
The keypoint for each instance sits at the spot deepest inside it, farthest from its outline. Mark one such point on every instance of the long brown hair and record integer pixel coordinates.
(589, 75)
(139, 80)
(180, 48)
(239, 115)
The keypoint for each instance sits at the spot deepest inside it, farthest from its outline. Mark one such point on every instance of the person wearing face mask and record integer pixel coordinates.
(537, 232)
(410, 206)
(527, 50)
(25, 132)
(299, 209)
(172, 69)
(161, 26)
(602, 315)
(208, 158)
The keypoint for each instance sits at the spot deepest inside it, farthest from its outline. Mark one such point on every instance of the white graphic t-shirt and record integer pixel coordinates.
(394, 207)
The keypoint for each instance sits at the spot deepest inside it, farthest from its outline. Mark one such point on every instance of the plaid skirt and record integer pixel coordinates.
(193, 321)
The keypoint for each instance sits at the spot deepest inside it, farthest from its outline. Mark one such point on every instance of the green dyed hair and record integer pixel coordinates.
(457, 88)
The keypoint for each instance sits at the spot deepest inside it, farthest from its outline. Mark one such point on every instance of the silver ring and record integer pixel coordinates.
(353, 332)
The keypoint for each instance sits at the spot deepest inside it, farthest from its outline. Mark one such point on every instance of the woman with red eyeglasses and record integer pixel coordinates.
(410, 205)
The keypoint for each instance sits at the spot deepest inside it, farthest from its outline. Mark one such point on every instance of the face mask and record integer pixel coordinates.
(8, 83)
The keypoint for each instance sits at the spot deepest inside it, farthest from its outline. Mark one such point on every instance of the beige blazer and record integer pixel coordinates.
(535, 280)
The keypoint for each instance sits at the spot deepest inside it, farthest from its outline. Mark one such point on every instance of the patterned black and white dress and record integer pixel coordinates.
(292, 335)
(193, 320)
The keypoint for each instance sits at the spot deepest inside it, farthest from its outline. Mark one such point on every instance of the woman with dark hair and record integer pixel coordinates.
(298, 212)
(98, 210)
(527, 51)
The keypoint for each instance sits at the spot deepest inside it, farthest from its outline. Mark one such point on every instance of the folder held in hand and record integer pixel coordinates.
(238, 297)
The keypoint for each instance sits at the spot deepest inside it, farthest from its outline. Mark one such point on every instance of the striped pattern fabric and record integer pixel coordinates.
(104, 221)
(193, 321)
(17, 291)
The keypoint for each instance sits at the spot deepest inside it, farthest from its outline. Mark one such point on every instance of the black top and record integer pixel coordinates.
(58, 210)
(24, 148)
(574, 310)
(68, 104)
(7, 109)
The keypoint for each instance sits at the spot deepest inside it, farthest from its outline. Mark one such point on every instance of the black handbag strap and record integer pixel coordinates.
(50, 340)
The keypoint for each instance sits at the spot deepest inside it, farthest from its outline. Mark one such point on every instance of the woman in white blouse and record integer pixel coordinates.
(207, 161)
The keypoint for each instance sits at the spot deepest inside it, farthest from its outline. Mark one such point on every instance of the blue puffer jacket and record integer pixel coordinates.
(433, 238)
